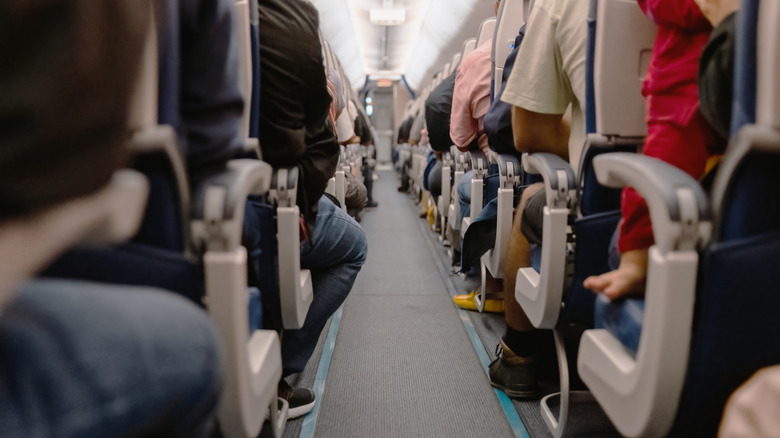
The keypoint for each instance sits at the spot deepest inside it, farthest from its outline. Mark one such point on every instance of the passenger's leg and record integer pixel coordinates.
(334, 254)
(518, 256)
(82, 359)
(685, 147)
(513, 371)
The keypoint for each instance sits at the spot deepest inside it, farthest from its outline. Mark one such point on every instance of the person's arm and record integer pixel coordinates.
(536, 132)
(539, 91)
(682, 14)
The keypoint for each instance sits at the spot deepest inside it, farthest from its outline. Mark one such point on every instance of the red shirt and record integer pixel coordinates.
(682, 34)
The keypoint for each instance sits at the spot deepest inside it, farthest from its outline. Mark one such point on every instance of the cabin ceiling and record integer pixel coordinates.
(433, 32)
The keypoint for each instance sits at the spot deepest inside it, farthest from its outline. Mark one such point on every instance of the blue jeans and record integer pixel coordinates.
(464, 194)
(83, 359)
(334, 253)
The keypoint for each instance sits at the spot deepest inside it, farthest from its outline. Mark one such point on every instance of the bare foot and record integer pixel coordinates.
(628, 279)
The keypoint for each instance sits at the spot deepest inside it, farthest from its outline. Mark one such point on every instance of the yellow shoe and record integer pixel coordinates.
(468, 302)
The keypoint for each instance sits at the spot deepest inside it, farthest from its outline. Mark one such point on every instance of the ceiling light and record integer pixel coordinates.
(387, 17)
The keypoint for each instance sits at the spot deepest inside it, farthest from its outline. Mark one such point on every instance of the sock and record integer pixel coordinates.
(523, 344)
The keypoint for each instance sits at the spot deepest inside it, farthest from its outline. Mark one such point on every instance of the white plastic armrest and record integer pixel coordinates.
(219, 203)
(641, 395)
(540, 293)
(341, 189)
(454, 211)
(253, 364)
(509, 171)
(444, 198)
(28, 244)
(479, 165)
(295, 287)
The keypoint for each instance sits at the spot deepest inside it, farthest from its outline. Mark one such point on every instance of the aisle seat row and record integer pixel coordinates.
(666, 363)
(190, 238)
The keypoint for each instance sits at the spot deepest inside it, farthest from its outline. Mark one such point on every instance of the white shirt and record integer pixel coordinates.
(549, 74)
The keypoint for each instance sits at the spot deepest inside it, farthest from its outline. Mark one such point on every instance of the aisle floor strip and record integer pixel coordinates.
(518, 428)
(310, 420)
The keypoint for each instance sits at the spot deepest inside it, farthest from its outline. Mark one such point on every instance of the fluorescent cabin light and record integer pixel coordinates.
(387, 17)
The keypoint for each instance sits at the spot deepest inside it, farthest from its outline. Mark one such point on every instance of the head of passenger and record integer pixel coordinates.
(67, 71)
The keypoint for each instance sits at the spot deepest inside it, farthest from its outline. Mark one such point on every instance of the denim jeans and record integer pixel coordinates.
(84, 359)
(464, 194)
(334, 253)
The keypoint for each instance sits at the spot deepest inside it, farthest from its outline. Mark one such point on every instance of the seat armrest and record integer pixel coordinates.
(284, 187)
(219, 202)
(541, 293)
(679, 208)
(295, 284)
(560, 182)
(461, 159)
(479, 163)
(641, 394)
(509, 170)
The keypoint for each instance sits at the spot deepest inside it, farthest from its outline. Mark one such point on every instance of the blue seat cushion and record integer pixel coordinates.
(735, 327)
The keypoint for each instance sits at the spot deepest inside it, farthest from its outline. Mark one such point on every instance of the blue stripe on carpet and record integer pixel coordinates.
(310, 420)
(506, 403)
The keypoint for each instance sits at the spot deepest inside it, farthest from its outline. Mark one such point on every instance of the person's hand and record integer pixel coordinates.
(716, 10)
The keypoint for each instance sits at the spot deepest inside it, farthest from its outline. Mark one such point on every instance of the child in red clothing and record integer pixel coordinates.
(676, 131)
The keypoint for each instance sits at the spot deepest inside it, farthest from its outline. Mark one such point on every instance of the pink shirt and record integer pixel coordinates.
(471, 99)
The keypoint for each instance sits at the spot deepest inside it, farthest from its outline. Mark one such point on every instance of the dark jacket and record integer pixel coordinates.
(294, 99)
(716, 77)
(438, 108)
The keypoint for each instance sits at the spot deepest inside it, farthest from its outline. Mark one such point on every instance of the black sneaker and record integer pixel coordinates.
(301, 400)
(513, 374)
(372, 204)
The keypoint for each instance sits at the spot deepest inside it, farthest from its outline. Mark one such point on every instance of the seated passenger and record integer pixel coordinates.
(82, 359)
(404, 131)
(676, 132)
(294, 131)
(481, 235)
(363, 130)
(470, 103)
(548, 77)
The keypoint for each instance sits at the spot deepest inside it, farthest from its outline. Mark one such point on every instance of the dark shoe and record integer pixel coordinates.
(372, 204)
(301, 400)
(513, 374)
